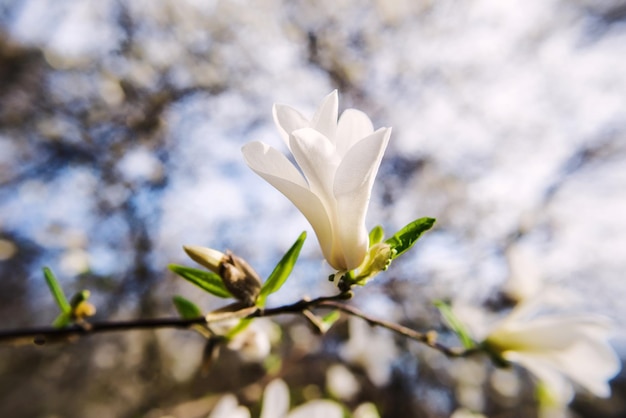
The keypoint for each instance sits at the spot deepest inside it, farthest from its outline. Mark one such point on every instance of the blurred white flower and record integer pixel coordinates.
(466, 413)
(228, 407)
(370, 349)
(558, 349)
(341, 383)
(366, 410)
(254, 343)
(337, 163)
(276, 404)
(524, 280)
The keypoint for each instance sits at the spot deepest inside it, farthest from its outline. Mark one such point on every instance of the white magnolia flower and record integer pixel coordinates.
(337, 163)
(559, 350)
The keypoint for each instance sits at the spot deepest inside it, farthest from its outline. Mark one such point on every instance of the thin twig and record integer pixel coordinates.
(43, 335)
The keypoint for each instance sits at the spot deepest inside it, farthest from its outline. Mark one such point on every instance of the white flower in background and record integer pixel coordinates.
(341, 383)
(228, 407)
(372, 349)
(559, 350)
(337, 163)
(524, 280)
(254, 343)
(276, 404)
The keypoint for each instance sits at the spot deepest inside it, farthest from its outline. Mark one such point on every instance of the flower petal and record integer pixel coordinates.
(590, 362)
(287, 120)
(352, 189)
(543, 370)
(359, 166)
(319, 408)
(553, 333)
(228, 407)
(262, 158)
(325, 119)
(280, 173)
(353, 125)
(275, 399)
(315, 155)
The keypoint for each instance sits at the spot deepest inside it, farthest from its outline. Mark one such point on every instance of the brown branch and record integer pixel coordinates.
(43, 335)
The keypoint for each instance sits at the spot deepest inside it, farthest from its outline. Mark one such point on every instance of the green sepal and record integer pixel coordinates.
(376, 235)
(281, 272)
(79, 297)
(404, 239)
(56, 291)
(186, 308)
(455, 324)
(205, 280)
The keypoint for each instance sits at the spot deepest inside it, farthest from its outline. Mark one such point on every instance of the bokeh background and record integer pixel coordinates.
(121, 124)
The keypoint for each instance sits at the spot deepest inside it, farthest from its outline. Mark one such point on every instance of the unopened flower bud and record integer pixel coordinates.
(238, 277)
(206, 257)
(81, 308)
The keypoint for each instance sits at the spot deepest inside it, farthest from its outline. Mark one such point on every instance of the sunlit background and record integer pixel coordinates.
(121, 124)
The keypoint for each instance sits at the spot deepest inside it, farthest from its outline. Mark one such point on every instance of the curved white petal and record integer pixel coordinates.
(539, 334)
(315, 155)
(574, 347)
(351, 233)
(274, 167)
(543, 370)
(359, 166)
(590, 361)
(275, 399)
(352, 189)
(353, 125)
(287, 120)
(325, 118)
(319, 408)
(260, 157)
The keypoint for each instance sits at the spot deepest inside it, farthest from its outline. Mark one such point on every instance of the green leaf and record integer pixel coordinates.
(205, 280)
(63, 320)
(242, 325)
(404, 239)
(329, 319)
(56, 291)
(455, 324)
(376, 235)
(281, 271)
(186, 308)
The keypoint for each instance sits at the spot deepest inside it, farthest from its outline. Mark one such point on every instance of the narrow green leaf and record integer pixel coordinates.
(205, 280)
(281, 271)
(56, 291)
(376, 235)
(62, 320)
(455, 324)
(329, 319)
(186, 308)
(242, 325)
(404, 239)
